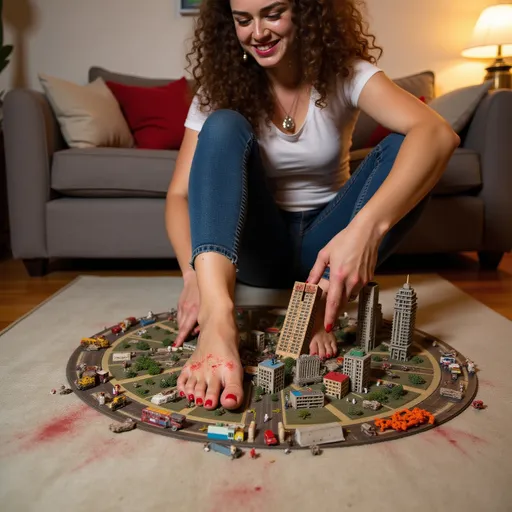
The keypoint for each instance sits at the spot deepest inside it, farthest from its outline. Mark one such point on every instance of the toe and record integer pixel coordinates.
(233, 393)
(182, 382)
(211, 397)
(190, 387)
(334, 347)
(199, 392)
(313, 348)
(321, 350)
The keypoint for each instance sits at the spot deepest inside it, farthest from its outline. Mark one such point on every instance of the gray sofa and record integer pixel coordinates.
(109, 203)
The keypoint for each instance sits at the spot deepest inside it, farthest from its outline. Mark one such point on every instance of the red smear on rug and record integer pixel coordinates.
(108, 448)
(455, 432)
(445, 434)
(485, 382)
(247, 497)
(59, 427)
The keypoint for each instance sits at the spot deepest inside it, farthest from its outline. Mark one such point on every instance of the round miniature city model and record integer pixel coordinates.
(129, 371)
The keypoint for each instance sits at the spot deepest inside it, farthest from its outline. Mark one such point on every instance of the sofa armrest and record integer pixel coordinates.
(490, 134)
(31, 135)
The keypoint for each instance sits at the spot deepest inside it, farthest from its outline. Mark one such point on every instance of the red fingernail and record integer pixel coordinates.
(231, 397)
(328, 328)
(208, 403)
(199, 401)
(181, 393)
(190, 398)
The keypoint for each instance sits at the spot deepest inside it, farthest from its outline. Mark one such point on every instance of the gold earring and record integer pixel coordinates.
(244, 56)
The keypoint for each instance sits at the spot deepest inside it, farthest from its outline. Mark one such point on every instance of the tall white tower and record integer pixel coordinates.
(404, 322)
(367, 316)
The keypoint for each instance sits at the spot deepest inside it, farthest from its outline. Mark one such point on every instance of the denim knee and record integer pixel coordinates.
(392, 142)
(223, 125)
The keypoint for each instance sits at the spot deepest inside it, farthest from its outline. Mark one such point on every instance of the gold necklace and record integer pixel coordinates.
(288, 123)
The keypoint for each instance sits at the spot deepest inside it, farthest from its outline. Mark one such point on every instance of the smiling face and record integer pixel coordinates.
(265, 29)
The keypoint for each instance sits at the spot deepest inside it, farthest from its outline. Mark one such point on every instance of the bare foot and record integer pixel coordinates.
(322, 343)
(214, 369)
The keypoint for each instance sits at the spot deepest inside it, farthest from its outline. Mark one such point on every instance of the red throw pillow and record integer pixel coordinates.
(380, 133)
(155, 115)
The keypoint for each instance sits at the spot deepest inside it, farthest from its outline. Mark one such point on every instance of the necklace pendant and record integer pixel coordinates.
(288, 123)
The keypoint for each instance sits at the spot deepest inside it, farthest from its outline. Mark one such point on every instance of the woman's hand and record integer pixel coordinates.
(188, 309)
(352, 258)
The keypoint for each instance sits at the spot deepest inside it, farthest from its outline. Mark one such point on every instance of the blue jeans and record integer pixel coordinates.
(233, 213)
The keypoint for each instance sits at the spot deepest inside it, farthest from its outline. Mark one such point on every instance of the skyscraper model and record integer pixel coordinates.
(404, 321)
(367, 316)
(298, 323)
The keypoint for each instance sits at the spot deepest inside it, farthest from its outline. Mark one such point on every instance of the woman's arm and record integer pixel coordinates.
(428, 145)
(177, 219)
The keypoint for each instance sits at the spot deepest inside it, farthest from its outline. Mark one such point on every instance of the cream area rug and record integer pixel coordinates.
(56, 453)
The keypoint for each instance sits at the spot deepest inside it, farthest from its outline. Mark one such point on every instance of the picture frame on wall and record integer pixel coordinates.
(189, 6)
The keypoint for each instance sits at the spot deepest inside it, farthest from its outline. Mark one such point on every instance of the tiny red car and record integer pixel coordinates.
(478, 404)
(270, 438)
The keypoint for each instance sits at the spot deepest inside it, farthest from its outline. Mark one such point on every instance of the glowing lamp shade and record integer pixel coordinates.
(492, 35)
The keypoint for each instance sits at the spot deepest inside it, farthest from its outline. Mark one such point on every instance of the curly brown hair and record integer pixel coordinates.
(331, 35)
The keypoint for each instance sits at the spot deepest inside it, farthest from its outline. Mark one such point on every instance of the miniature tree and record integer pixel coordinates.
(304, 414)
(416, 360)
(354, 411)
(126, 345)
(142, 392)
(150, 382)
(166, 342)
(157, 327)
(165, 383)
(259, 390)
(416, 379)
(142, 345)
(323, 388)
(274, 397)
(130, 374)
(173, 379)
(397, 392)
(380, 395)
(175, 358)
(377, 358)
(147, 337)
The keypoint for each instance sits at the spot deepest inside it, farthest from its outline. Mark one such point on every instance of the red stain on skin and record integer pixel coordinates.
(195, 366)
(230, 366)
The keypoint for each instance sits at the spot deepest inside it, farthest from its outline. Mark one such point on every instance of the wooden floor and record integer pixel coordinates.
(20, 293)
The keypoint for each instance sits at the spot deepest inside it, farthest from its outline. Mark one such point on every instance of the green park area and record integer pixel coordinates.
(157, 333)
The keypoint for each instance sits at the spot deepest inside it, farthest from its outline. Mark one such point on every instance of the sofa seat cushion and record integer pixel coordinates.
(462, 174)
(113, 172)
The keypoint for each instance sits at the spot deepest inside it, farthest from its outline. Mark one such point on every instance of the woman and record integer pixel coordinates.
(261, 192)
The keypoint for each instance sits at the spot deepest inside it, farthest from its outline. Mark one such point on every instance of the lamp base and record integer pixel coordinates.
(499, 73)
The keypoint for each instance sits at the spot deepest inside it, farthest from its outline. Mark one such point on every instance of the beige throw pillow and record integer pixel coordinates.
(89, 115)
(457, 107)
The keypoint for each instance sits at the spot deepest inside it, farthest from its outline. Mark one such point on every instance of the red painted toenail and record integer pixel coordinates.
(190, 398)
(174, 344)
(181, 393)
(208, 403)
(314, 354)
(199, 401)
(231, 397)
(328, 328)
(328, 355)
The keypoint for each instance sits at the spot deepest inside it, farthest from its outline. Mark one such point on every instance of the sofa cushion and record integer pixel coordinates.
(156, 115)
(88, 115)
(462, 174)
(419, 85)
(112, 172)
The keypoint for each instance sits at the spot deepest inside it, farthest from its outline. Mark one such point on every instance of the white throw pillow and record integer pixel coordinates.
(89, 115)
(457, 107)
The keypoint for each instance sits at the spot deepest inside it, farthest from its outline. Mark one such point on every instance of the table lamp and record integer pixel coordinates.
(492, 39)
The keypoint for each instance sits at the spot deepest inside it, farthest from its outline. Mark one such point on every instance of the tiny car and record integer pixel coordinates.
(270, 438)
(478, 404)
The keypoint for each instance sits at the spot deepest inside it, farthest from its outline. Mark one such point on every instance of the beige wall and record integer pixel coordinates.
(148, 37)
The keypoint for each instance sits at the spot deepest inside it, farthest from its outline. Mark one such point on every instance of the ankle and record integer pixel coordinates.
(216, 308)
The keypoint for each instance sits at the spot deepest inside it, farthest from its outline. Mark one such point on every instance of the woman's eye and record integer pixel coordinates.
(243, 23)
(275, 16)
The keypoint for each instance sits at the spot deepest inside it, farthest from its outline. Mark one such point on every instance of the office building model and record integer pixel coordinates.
(298, 324)
(367, 315)
(404, 322)
(271, 375)
(307, 370)
(357, 365)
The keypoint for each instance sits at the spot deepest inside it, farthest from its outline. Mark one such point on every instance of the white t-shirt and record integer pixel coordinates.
(305, 170)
